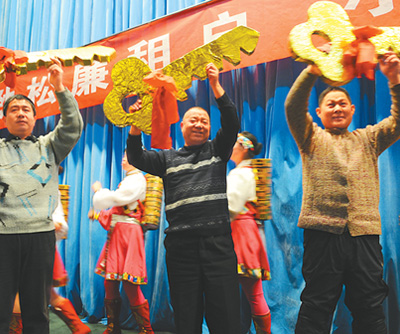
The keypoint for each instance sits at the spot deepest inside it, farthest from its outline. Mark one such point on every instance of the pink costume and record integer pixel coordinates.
(249, 246)
(123, 256)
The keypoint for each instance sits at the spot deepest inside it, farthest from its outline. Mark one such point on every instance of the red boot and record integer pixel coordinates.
(67, 313)
(142, 316)
(113, 309)
(262, 323)
(16, 324)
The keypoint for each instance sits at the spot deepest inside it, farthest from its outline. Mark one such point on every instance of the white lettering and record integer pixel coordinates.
(158, 52)
(138, 52)
(40, 93)
(385, 6)
(223, 19)
(88, 78)
(4, 95)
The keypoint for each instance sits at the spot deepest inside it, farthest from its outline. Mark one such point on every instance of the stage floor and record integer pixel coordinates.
(57, 326)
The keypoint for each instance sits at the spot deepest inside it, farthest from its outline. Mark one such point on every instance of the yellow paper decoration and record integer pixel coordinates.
(84, 56)
(329, 20)
(128, 74)
(388, 40)
(227, 46)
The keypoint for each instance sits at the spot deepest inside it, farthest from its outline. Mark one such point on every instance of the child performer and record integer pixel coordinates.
(253, 266)
(123, 256)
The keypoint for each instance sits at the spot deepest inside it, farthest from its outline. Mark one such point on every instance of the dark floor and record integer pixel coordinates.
(57, 326)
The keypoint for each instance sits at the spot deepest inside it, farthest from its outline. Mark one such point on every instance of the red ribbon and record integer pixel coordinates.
(8, 58)
(165, 109)
(359, 56)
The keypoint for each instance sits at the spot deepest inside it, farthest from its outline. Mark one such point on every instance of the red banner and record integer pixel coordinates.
(162, 41)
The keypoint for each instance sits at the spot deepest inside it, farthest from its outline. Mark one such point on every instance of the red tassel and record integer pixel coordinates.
(165, 109)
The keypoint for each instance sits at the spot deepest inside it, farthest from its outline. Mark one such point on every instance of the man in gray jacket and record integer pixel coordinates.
(28, 197)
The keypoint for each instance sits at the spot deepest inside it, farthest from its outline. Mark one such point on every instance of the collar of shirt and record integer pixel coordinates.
(32, 138)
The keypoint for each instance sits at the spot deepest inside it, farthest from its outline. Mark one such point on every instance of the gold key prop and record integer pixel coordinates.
(127, 75)
(342, 63)
(83, 55)
(227, 46)
(14, 63)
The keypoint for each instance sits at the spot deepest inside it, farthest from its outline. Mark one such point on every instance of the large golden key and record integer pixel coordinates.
(330, 20)
(128, 74)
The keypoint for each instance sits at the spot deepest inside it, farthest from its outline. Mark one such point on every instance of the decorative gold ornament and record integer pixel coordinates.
(329, 20)
(262, 169)
(128, 74)
(12, 65)
(388, 40)
(84, 56)
(153, 202)
(227, 46)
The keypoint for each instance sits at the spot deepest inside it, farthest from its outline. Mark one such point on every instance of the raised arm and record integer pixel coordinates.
(296, 104)
(213, 77)
(148, 161)
(389, 65)
(69, 128)
(56, 75)
(227, 134)
(387, 131)
(135, 131)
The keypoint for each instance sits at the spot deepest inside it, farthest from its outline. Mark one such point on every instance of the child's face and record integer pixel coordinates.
(336, 111)
(125, 164)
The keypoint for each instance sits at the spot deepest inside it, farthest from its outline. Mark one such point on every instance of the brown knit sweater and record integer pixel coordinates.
(340, 168)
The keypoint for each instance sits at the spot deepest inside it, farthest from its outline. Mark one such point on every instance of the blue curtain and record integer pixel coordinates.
(259, 93)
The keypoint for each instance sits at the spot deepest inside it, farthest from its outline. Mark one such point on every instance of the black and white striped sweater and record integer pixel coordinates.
(194, 177)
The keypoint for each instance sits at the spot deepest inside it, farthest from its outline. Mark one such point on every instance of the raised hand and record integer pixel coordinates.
(135, 131)
(213, 77)
(56, 75)
(389, 65)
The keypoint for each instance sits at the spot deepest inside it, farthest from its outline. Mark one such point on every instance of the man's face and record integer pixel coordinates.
(336, 111)
(195, 127)
(20, 119)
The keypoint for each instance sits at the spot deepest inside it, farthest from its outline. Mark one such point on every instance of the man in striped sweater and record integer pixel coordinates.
(202, 266)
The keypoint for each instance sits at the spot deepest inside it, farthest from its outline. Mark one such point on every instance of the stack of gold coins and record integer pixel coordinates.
(153, 201)
(64, 193)
(262, 169)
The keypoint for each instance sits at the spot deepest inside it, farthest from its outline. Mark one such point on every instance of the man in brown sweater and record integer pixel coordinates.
(340, 209)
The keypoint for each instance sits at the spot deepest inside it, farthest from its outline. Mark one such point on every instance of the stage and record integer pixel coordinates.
(57, 326)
